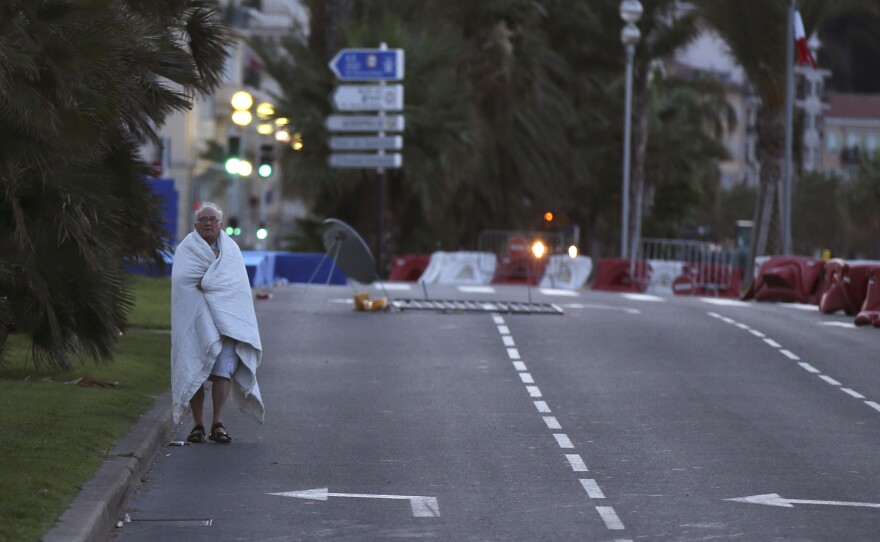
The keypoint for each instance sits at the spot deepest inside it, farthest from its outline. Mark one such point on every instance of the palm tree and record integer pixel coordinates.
(82, 86)
(756, 32)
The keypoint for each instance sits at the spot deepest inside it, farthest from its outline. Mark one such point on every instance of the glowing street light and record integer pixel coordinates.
(265, 110)
(282, 136)
(265, 128)
(242, 100)
(242, 118)
(573, 251)
(245, 168)
(538, 249)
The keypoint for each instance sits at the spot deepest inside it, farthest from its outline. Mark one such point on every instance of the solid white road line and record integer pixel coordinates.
(557, 291)
(476, 289)
(610, 518)
(563, 440)
(519, 366)
(644, 297)
(526, 378)
(846, 325)
(513, 353)
(789, 355)
(504, 330)
(403, 286)
(772, 343)
(592, 488)
(542, 407)
(534, 391)
(724, 302)
(552, 422)
(852, 393)
(830, 380)
(577, 464)
(508, 340)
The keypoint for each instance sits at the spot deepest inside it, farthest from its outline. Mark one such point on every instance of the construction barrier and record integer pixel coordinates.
(846, 285)
(870, 310)
(708, 280)
(461, 268)
(563, 271)
(692, 267)
(408, 267)
(621, 275)
(788, 278)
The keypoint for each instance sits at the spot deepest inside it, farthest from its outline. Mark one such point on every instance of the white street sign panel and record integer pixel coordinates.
(422, 507)
(368, 98)
(366, 143)
(364, 123)
(368, 64)
(367, 161)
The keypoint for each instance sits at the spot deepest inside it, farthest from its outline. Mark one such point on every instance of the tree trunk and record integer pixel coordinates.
(767, 234)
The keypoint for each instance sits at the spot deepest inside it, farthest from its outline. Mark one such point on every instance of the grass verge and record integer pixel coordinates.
(55, 435)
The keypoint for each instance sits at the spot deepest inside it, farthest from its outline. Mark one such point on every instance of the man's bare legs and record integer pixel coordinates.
(219, 394)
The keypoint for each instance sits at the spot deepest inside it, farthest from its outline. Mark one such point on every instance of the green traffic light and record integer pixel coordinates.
(232, 165)
(230, 230)
(265, 170)
(262, 233)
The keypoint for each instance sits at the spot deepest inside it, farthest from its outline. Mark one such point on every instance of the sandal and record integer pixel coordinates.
(197, 434)
(219, 434)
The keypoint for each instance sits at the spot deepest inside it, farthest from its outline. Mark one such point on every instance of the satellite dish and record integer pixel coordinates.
(349, 251)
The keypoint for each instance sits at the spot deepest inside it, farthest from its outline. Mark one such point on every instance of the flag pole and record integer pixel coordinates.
(789, 128)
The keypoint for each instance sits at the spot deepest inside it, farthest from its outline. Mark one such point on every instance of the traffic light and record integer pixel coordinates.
(267, 160)
(262, 232)
(548, 217)
(233, 154)
(232, 228)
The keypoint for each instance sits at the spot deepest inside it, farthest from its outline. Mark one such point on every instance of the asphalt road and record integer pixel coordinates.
(626, 418)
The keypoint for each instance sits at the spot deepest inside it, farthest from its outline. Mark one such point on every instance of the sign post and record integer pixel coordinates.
(377, 66)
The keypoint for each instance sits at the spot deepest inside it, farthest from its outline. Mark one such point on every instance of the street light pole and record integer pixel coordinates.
(630, 12)
(789, 130)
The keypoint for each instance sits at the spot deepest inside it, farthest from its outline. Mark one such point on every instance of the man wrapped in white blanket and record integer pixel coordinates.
(214, 333)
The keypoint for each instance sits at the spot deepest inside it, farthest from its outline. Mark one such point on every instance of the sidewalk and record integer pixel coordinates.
(96, 509)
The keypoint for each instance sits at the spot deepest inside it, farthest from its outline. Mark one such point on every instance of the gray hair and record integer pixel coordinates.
(208, 205)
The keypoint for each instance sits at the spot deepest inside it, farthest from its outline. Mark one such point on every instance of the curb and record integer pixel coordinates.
(94, 511)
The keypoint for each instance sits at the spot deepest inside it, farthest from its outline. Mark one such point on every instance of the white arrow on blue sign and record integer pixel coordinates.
(368, 64)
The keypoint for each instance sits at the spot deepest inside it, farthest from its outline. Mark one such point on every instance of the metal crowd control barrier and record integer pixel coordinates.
(707, 268)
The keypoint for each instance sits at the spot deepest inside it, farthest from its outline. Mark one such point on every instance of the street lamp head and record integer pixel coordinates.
(631, 10)
(242, 100)
(242, 118)
(630, 35)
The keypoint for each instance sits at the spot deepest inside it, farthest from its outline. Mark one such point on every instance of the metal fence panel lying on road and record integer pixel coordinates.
(455, 305)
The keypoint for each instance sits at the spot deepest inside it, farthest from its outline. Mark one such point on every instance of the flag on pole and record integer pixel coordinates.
(800, 39)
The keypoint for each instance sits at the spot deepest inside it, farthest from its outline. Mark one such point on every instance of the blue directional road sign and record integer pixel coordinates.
(368, 64)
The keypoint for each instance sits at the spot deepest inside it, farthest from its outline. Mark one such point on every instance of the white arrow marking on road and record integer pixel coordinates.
(422, 507)
(773, 499)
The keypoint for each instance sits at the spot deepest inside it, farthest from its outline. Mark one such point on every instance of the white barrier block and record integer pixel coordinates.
(663, 272)
(563, 271)
(460, 268)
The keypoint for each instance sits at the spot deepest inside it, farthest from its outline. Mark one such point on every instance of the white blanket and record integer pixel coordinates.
(224, 306)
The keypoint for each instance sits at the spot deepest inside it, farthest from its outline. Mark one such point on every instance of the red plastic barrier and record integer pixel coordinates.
(613, 275)
(708, 280)
(408, 267)
(788, 278)
(846, 286)
(519, 269)
(870, 310)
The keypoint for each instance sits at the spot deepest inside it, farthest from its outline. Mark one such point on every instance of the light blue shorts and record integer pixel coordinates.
(227, 361)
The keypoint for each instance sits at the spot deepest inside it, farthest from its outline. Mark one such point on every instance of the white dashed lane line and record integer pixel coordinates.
(794, 357)
(591, 487)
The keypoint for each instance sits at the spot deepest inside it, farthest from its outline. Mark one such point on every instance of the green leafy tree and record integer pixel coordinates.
(82, 85)
(756, 32)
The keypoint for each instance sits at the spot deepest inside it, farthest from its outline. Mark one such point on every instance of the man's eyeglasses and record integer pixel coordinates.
(208, 220)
